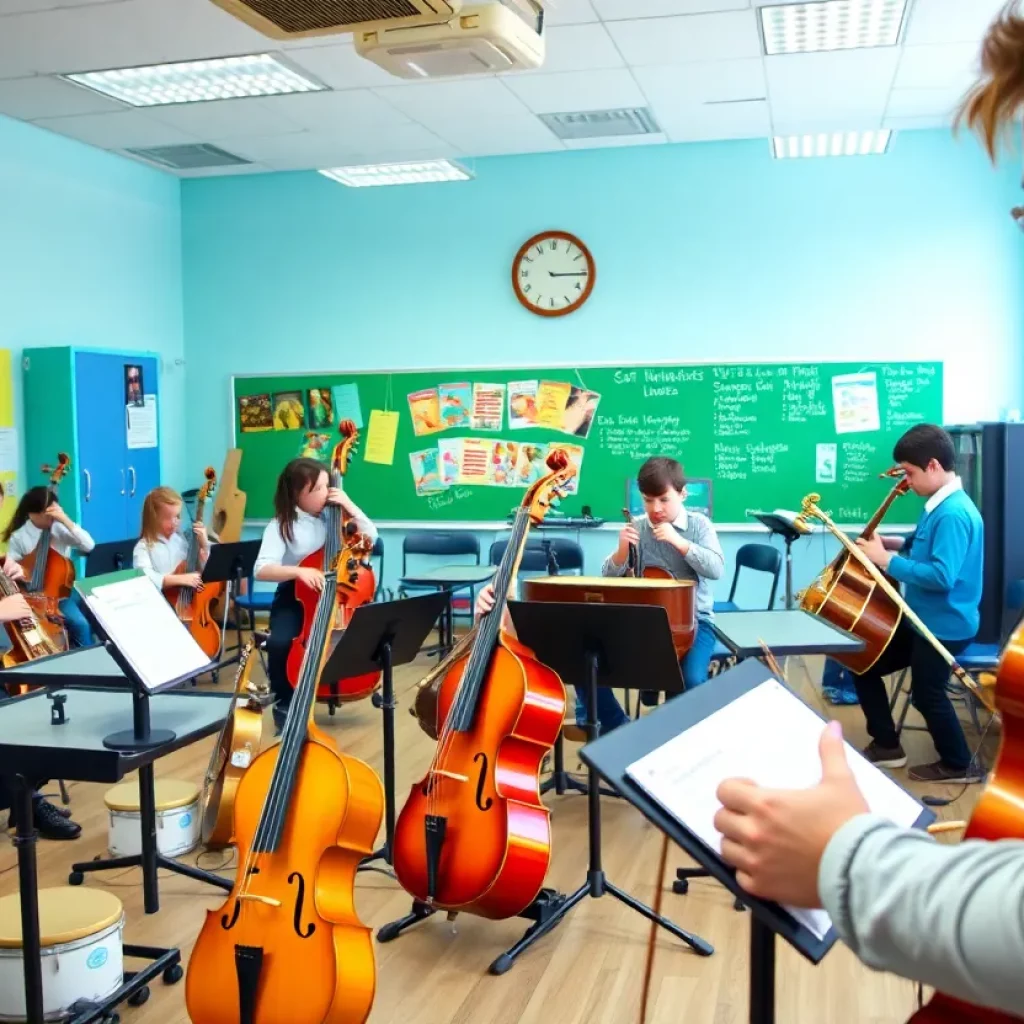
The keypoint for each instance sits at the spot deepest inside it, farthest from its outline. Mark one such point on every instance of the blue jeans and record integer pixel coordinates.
(77, 625)
(694, 666)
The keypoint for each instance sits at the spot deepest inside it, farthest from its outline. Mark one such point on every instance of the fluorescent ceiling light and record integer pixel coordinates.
(831, 25)
(197, 81)
(869, 143)
(398, 174)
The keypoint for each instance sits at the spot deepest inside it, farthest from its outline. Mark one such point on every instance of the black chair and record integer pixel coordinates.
(758, 558)
(378, 553)
(543, 555)
(440, 544)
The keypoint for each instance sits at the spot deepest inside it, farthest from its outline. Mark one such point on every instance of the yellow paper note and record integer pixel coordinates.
(552, 397)
(381, 437)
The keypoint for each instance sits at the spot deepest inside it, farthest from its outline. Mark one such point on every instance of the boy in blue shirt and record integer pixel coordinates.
(941, 573)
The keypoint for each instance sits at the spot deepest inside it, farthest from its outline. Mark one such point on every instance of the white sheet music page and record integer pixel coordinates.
(143, 626)
(768, 735)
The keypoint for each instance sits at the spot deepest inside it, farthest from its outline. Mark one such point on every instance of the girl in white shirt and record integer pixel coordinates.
(36, 512)
(162, 547)
(297, 530)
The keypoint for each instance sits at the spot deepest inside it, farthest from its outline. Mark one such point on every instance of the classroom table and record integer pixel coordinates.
(34, 746)
(786, 633)
(449, 579)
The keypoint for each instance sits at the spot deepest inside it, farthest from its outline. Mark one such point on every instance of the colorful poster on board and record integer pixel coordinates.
(255, 413)
(289, 412)
(425, 408)
(319, 408)
(580, 409)
(488, 407)
(575, 454)
(504, 457)
(381, 437)
(552, 396)
(426, 474)
(477, 465)
(346, 404)
(522, 404)
(455, 401)
(315, 445)
(449, 453)
(530, 465)
(855, 399)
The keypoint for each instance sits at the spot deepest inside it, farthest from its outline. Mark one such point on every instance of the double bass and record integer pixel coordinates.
(194, 607)
(347, 553)
(287, 946)
(473, 836)
(48, 573)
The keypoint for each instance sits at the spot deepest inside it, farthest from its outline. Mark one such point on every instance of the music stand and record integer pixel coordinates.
(789, 533)
(378, 637)
(231, 563)
(110, 557)
(591, 645)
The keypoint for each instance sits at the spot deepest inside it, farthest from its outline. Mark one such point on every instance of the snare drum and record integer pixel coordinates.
(82, 957)
(177, 818)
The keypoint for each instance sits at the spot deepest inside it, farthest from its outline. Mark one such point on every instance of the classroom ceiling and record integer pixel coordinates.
(696, 64)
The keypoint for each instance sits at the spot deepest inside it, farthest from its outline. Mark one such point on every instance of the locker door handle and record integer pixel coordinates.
(88, 484)
(122, 481)
(131, 469)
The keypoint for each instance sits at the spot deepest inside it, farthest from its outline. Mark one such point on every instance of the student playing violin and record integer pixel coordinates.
(296, 531)
(37, 511)
(162, 546)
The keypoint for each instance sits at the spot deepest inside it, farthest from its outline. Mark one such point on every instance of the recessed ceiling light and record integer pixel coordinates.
(197, 81)
(831, 25)
(869, 143)
(398, 174)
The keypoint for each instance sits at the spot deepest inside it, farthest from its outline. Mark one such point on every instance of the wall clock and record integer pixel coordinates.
(553, 273)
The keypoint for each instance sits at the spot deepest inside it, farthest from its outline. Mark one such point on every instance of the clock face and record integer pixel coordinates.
(553, 274)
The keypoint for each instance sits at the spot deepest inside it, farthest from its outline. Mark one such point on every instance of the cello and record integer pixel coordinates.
(49, 574)
(635, 568)
(347, 553)
(473, 835)
(287, 947)
(31, 638)
(194, 606)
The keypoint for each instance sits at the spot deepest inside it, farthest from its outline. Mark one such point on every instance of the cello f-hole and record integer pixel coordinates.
(299, 900)
(225, 923)
(484, 805)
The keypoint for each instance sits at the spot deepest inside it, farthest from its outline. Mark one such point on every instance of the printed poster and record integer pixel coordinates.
(575, 454)
(503, 458)
(140, 424)
(315, 445)
(345, 398)
(426, 473)
(381, 437)
(289, 412)
(477, 466)
(320, 408)
(455, 401)
(825, 456)
(530, 465)
(579, 412)
(488, 406)
(449, 453)
(425, 407)
(855, 400)
(552, 398)
(255, 413)
(522, 404)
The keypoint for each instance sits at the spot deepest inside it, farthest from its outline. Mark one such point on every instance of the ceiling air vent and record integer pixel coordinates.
(594, 124)
(296, 19)
(189, 158)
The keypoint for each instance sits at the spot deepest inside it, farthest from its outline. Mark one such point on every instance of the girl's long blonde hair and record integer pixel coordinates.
(995, 100)
(151, 511)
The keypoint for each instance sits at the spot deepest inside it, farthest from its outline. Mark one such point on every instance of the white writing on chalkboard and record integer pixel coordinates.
(641, 437)
(731, 462)
(858, 462)
(902, 385)
(449, 497)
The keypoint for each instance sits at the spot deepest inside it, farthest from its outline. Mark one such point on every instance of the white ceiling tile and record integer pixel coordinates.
(226, 119)
(26, 6)
(852, 84)
(355, 109)
(950, 21)
(924, 102)
(117, 131)
(577, 90)
(340, 67)
(618, 141)
(750, 120)
(568, 12)
(915, 123)
(486, 136)
(39, 96)
(936, 67)
(218, 172)
(577, 48)
(710, 82)
(697, 37)
(427, 102)
(620, 10)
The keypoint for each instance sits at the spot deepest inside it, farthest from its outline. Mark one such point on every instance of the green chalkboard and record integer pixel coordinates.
(758, 436)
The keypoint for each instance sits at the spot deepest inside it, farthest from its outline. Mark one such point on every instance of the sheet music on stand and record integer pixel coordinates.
(142, 625)
(770, 736)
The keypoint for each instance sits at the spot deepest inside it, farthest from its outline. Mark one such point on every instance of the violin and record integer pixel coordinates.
(37, 636)
(287, 946)
(347, 553)
(194, 607)
(473, 835)
(48, 573)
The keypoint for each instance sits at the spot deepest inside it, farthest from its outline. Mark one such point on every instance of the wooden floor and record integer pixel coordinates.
(588, 970)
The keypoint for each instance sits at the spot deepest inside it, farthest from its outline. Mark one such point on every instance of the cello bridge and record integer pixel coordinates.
(252, 897)
(449, 775)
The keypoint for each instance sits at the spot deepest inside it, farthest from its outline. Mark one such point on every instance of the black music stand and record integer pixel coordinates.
(232, 564)
(591, 645)
(789, 533)
(110, 557)
(378, 637)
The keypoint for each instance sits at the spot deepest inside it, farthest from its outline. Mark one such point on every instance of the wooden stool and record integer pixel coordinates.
(82, 958)
(177, 818)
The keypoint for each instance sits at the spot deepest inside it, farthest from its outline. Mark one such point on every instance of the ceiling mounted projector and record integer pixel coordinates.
(481, 39)
(297, 19)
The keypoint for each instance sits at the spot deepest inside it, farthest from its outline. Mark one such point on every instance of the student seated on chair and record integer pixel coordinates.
(162, 546)
(37, 511)
(683, 542)
(941, 571)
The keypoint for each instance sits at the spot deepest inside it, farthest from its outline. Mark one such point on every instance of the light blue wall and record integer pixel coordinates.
(90, 255)
(703, 251)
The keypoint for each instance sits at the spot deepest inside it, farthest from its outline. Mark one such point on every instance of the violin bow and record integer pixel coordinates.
(652, 938)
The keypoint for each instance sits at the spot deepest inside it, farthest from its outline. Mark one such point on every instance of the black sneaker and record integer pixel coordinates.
(885, 757)
(939, 771)
(49, 822)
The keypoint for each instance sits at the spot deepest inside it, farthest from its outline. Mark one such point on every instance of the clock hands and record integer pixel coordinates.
(574, 273)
